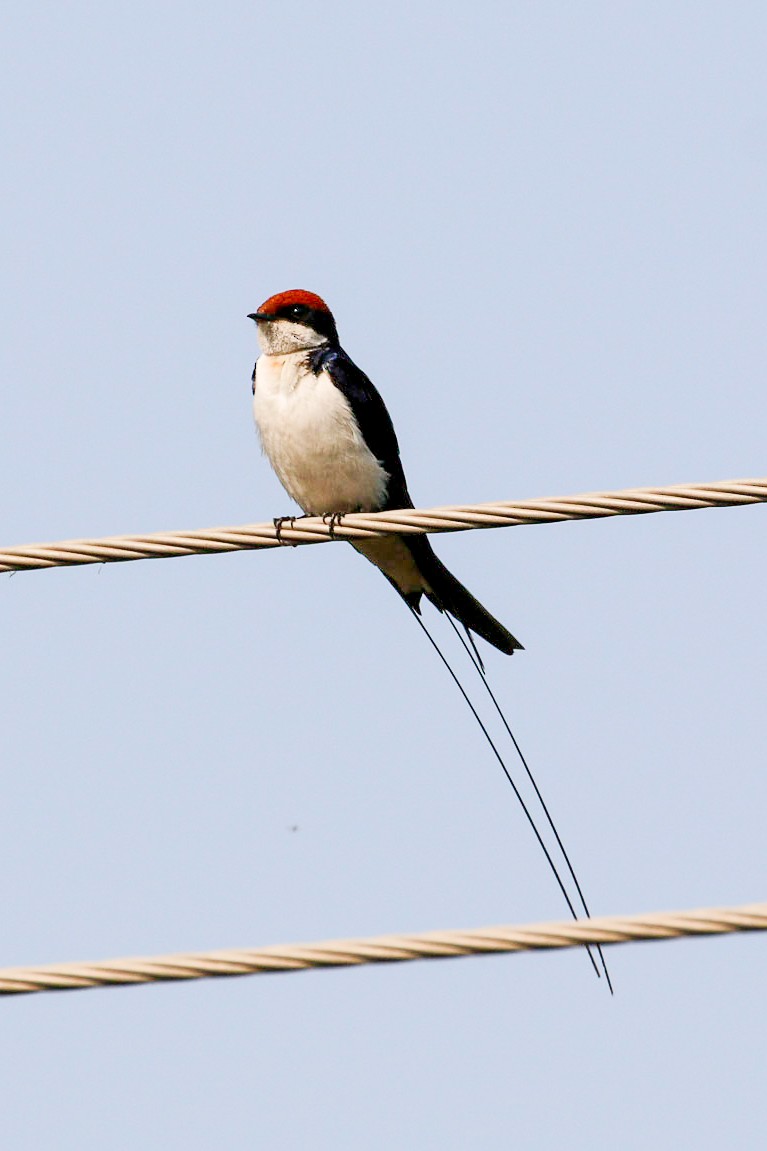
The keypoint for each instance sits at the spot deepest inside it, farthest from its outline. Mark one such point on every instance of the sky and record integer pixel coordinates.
(541, 229)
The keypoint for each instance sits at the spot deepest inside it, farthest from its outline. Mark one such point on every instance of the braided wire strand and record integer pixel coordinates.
(606, 930)
(369, 525)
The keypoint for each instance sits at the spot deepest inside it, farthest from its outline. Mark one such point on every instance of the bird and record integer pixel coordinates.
(329, 437)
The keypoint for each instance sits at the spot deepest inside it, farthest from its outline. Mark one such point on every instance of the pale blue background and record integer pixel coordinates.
(541, 227)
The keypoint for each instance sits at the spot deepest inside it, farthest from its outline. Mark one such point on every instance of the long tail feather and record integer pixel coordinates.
(509, 777)
(480, 668)
(448, 594)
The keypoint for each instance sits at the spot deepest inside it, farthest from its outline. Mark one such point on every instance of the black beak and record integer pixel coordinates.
(259, 316)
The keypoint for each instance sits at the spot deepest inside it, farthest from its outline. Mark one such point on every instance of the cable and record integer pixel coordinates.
(384, 949)
(355, 526)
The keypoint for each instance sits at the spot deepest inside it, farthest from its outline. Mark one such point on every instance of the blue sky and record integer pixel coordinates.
(541, 229)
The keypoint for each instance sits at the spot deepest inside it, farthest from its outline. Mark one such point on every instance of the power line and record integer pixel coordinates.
(605, 930)
(369, 525)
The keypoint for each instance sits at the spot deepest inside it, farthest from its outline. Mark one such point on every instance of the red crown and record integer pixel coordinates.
(297, 296)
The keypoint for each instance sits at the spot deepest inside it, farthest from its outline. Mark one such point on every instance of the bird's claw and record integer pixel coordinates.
(333, 521)
(278, 521)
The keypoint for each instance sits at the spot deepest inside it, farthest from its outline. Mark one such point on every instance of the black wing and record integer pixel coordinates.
(371, 415)
(445, 591)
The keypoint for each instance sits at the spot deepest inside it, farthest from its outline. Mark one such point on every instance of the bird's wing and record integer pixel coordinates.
(372, 417)
(439, 585)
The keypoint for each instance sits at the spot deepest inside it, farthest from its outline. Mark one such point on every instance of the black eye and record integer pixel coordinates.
(298, 309)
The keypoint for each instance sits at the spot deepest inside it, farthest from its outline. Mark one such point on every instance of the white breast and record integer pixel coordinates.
(312, 439)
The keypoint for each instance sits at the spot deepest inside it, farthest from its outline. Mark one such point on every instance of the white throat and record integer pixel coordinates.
(281, 337)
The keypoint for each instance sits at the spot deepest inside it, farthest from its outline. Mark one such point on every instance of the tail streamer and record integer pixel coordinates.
(474, 656)
(515, 789)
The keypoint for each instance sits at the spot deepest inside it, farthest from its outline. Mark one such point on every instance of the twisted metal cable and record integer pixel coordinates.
(356, 526)
(384, 949)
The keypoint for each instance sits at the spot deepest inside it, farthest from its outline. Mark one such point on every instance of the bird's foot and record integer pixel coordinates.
(333, 521)
(278, 521)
